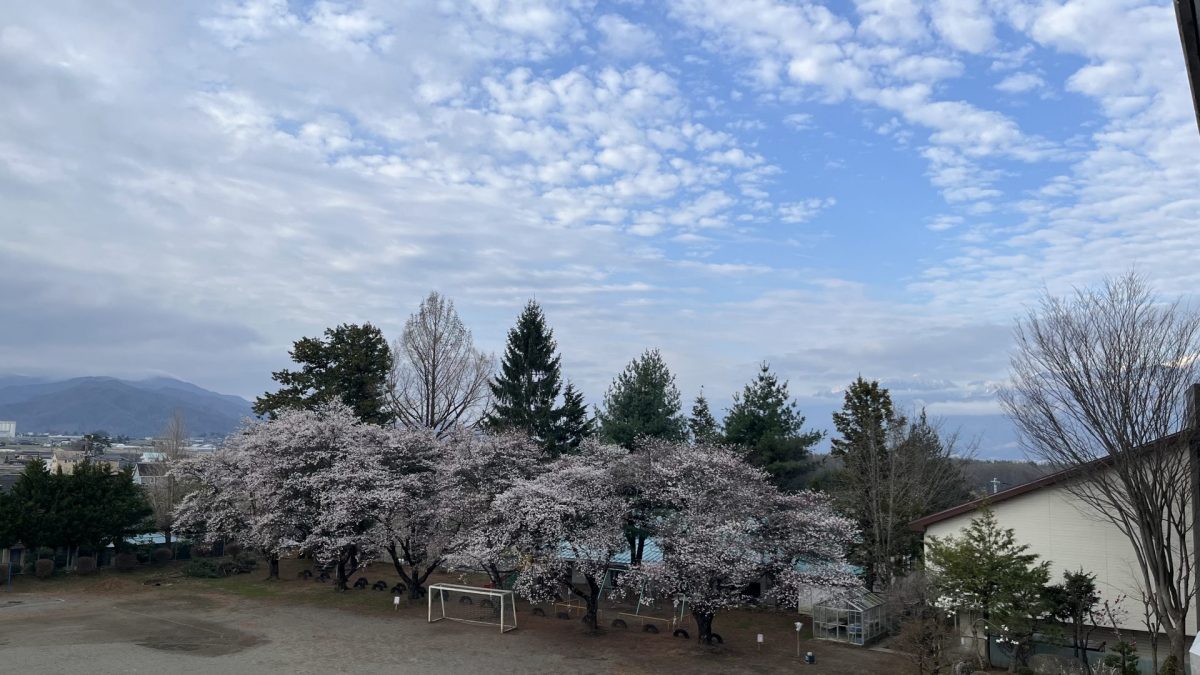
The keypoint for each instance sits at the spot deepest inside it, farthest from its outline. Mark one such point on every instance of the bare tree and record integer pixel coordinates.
(1099, 381)
(438, 379)
(163, 489)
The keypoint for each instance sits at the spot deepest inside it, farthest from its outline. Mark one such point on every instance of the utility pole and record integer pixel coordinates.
(1186, 12)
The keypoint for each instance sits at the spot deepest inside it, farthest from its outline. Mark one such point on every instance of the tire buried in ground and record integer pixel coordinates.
(680, 633)
(650, 628)
(619, 623)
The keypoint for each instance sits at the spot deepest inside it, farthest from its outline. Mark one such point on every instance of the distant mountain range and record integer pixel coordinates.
(135, 408)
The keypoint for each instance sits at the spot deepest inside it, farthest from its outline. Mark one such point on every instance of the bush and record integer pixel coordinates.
(1122, 658)
(126, 562)
(85, 565)
(233, 549)
(204, 569)
(183, 551)
(3, 572)
(44, 568)
(1170, 667)
(162, 556)
(246, 561)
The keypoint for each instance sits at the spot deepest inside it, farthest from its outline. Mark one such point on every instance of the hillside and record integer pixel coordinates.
(121, 407)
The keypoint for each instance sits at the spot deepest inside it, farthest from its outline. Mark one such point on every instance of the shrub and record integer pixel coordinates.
(126, 562)
(85, 565)
(204, 569)
(162, 556)
(3, 572)
(1122, 658)
(233, 549)
(1170, 666)
(142, 555)
(44, 568)
(183, 551)
(246, 561)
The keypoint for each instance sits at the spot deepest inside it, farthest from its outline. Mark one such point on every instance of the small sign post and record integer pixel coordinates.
(799, 625)
(760, 641)
(396, 604)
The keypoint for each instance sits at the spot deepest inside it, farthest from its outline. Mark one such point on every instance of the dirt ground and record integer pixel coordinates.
(156, 620)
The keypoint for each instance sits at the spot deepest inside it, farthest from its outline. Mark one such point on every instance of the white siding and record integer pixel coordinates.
(1059, 528)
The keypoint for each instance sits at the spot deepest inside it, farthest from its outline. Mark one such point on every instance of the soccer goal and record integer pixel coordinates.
(471, 604)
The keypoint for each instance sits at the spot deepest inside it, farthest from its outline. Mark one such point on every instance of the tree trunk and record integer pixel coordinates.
(414, 580)
(704, 622)
(496, 577)
(592, 616)
(273, 569)
(341, 584)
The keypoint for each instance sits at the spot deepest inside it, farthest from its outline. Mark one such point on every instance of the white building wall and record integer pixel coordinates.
(8, 429)
(1059, 528)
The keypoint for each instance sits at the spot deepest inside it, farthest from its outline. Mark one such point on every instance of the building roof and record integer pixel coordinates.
(1048, 480)
(151, 469)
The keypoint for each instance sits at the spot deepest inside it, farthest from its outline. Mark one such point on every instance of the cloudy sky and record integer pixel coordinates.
(875, 187)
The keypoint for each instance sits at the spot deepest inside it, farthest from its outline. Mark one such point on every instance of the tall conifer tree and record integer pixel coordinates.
(766, 421)
(525, 391)
(702, 425)
(574, 424)
(643, 401)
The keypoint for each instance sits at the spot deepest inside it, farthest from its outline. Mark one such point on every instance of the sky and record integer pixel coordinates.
(878, 187)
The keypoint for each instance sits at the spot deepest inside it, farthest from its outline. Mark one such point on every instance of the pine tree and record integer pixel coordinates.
(996, 582)
(573, 425)
(526, 389)
(767, 423)
(643, 402)
(866, 415)
(702, 426)
(350, 365)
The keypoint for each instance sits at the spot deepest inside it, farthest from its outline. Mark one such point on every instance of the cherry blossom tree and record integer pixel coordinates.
(722, 526)
(224, 508)
(480, 469)
(568, 520)
(416, 519)
(302, 481)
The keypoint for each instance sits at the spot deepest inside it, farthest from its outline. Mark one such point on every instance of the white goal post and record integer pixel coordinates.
(473, 604)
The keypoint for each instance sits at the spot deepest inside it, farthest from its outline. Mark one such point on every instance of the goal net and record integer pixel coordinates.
(471, 604)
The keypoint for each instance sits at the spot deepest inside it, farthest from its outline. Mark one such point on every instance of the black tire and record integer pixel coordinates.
(650, 628)
(538, 611)
(619, 623)
(465, 600)
(680, 633)
(563, 615)
(715, 638)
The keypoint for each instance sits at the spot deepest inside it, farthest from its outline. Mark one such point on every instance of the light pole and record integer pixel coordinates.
(1186, 12)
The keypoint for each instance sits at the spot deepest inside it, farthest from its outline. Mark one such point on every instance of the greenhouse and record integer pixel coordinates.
(856, 618)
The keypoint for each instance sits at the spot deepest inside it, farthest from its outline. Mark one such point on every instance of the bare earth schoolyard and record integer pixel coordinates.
(124, 623)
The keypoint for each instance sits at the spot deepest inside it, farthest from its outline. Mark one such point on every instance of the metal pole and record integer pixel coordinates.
(1189, 36)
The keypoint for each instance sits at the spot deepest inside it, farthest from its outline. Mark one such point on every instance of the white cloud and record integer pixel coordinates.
(805, 210)
(1019, 83)
(626, 40)
(965, 24)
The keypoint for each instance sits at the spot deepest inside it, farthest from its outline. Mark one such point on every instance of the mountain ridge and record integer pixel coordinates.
(136, 408)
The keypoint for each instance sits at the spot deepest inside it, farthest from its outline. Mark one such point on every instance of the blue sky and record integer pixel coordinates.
(875, 187)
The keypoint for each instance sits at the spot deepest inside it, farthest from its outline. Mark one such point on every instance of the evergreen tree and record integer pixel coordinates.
(702, 426)
(893, 472)
(865, 418)
(987, 575)
(573, 424)
(642, 402)
(350, 365)
(91, 507)
(767, 423)
(525, 391)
